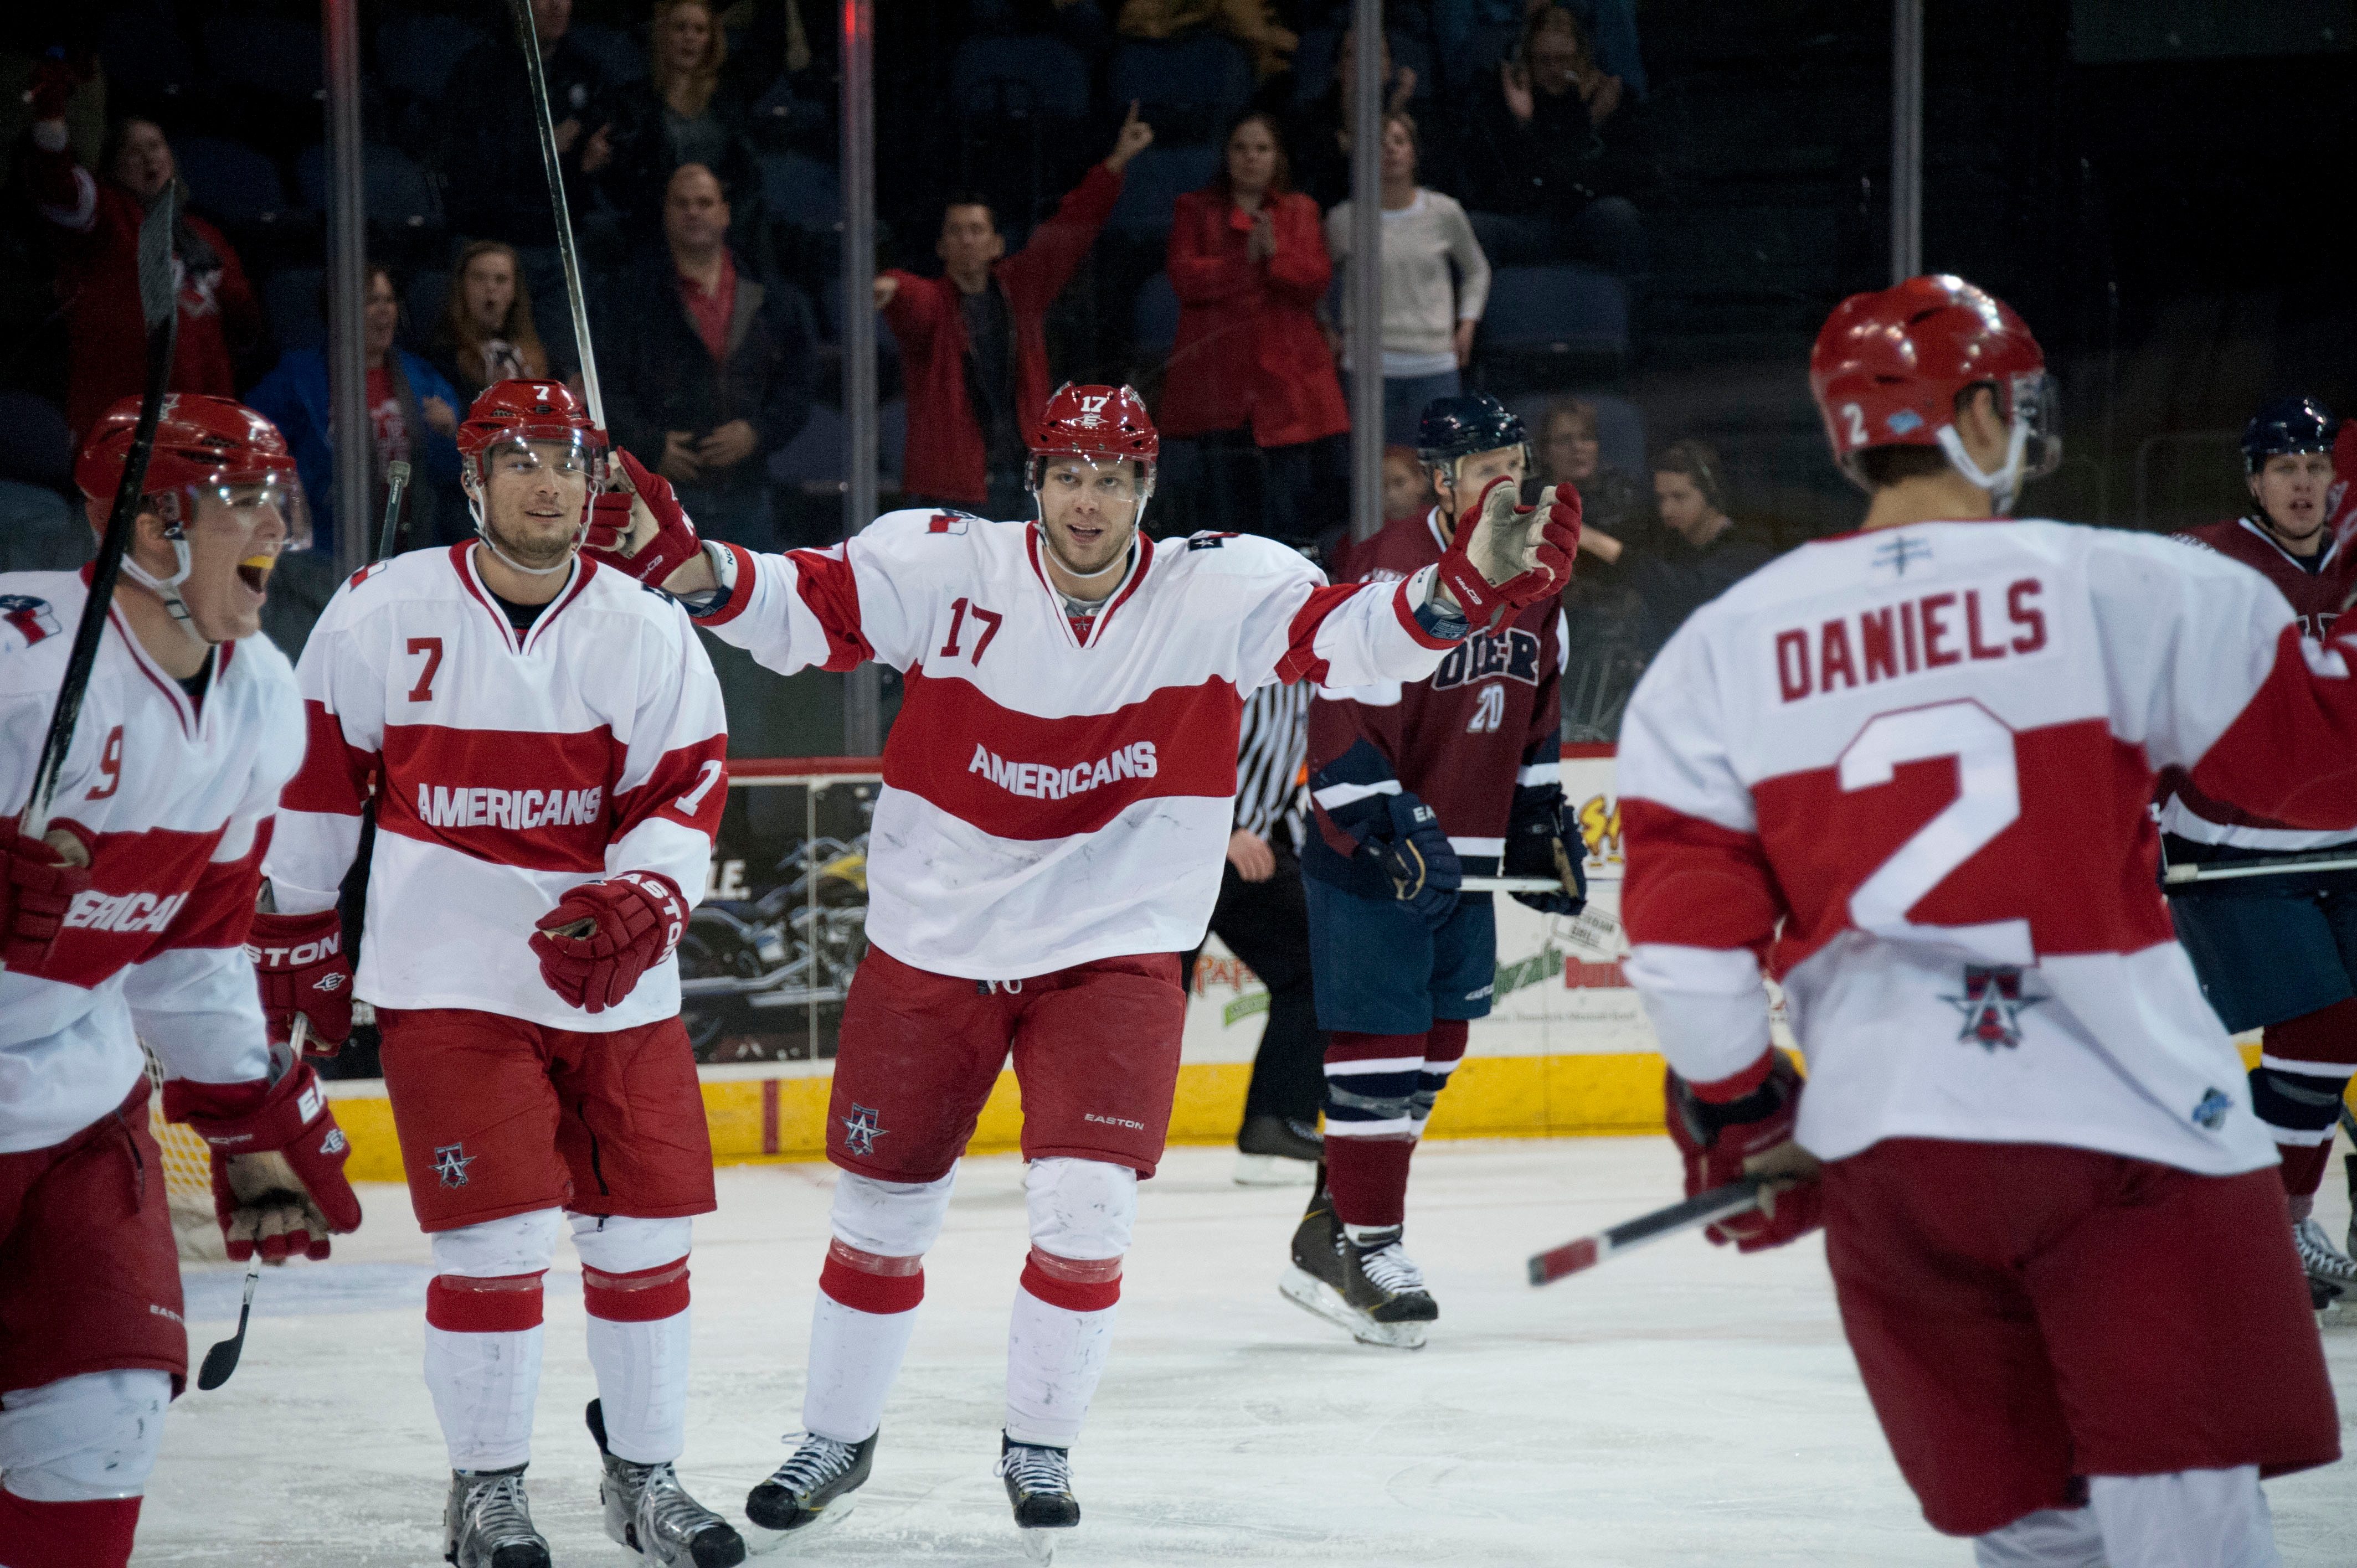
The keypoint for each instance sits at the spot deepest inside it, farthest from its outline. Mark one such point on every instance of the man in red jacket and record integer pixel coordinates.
(974, 343)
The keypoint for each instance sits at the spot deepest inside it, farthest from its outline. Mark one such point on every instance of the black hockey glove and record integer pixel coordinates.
(1410, 859)
(1543, 840)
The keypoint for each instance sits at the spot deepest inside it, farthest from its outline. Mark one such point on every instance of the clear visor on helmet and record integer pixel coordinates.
(566, 458)
(271, 515)
(2037, 406)
(1115, 481)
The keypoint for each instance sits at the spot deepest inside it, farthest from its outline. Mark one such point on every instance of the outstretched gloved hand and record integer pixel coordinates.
(640, 530)
(1506, 555)
(603, 935)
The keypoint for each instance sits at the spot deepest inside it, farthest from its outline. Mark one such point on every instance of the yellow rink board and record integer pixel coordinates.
(1488, 1097)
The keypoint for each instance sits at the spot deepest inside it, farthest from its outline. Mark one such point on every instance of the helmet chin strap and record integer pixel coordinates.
(483, 533)
(2004, 485)
(168, 589)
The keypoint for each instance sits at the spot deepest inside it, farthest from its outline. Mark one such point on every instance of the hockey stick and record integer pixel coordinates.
(396, 478)
(2232, 870)
(222, 1359)
(159, 305)
(527, 40)
(1509, 885)
(1703, 1209)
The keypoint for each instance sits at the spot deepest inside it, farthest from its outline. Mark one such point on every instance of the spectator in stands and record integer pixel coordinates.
(1320, 135)
(1405, 491)
(1572, 452)
(1696, 554)
(1435, 282)
(972, 341)
(1554, 146)
(491, 137)
(413, 416)
(1611, 23)
(684, 112)
(93, 225)
(1251, 380)
(711, 369)
(485, 333)
(1251, 23)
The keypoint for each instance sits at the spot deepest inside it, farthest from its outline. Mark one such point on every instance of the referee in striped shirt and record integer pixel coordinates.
(1263, 920)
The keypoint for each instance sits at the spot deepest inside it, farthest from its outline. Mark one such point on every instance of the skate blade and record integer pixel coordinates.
(1314, 1295)
(1272, 1170)
(761, 1542)
(1038, 1545)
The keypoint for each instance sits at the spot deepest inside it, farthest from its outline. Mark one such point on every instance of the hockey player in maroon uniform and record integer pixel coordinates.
(127, 920)
(2280, 952)
(548, 751)
(1058, 791)
(1909, 770)
(1415, 784)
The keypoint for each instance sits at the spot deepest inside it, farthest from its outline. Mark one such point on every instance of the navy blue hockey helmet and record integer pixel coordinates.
(1458, 426)
(2285, 426)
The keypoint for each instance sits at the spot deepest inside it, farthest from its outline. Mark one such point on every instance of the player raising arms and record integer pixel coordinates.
(2280, 952)
(547, 745)
(1058, 794)
(1415, 783)
(1911, 769)
(127, 919)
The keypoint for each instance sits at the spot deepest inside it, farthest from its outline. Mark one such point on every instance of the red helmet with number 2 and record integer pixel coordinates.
(1888, 368)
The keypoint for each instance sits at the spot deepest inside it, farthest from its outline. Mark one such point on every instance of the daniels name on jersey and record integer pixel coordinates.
(176, 797)
(509, 768)
(1053, 795)
(1911, 770)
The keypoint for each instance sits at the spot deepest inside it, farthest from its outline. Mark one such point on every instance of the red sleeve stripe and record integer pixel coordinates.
(335, 774)
(1692, 883)
(831, 590)
(748, 569)
(1302, 662)
(1407, 620)
(689, 786)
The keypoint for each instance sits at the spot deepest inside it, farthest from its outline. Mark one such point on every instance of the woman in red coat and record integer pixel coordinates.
(1251, 380)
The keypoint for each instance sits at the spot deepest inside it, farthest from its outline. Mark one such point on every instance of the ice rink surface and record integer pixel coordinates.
(1680, 1406)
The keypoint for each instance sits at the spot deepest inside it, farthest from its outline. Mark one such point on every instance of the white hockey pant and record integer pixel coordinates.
(2191, 1519)
(83, 1439)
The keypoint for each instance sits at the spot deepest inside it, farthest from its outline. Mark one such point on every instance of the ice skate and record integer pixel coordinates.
(1375, 1293)
(2332, 1274)
(813, 1489)
(1277, 1151)
(487, 1523)
(1040, 1486)
(649, 1513)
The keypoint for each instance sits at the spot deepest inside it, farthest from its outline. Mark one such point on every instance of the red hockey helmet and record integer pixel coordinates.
(1099, 424)
(1888, 368)
(527, 410)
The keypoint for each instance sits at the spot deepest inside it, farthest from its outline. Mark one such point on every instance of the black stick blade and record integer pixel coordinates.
(222, 1359)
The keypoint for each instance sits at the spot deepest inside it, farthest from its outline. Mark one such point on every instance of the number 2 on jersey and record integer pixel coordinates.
(987, 619)
(1988, 800)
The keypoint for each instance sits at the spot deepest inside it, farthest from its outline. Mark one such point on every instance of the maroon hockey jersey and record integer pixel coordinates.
(1463, 740)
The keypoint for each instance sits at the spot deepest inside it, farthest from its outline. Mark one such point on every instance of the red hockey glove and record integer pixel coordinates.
(278, 1162)
(1506, 555)
(38, 882)
(1722, 1140)
(300, 959)
(634, 921)
(673, 542)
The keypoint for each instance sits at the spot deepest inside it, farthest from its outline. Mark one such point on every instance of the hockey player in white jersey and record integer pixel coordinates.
(1057, 800)
(548, 752)
(127, 919)
(1908, 770)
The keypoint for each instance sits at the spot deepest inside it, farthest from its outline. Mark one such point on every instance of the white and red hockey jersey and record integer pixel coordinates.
(1052, 795)
(1910, 771)
(176, 798)
(509, 768)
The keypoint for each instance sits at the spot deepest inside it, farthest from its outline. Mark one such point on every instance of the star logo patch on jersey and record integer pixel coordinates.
(28, 617)
(450, 1163)
(860, 1130)
(2211, 1112)
(1992, 1004)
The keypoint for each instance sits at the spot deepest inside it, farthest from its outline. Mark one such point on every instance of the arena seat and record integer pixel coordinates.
(414, 55)
(230, 181)
(269, 55)
(1012, 78)
(1154, 317)
(1157, 178)
(1186, 89)
(290, 303)
(1561, 312)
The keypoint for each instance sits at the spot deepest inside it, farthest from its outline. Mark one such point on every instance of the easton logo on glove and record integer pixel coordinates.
(603, 936)
(277, 1161)
(298, 960)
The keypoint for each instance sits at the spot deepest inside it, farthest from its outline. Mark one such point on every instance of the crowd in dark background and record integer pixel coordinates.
(1624, 219)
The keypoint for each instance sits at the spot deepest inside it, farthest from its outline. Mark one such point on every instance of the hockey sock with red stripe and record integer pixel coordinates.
(482, 1366)
(1057, 1341)
(67, 1535)
(2304, 1070)
(860, 1326)
(638, 1346)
